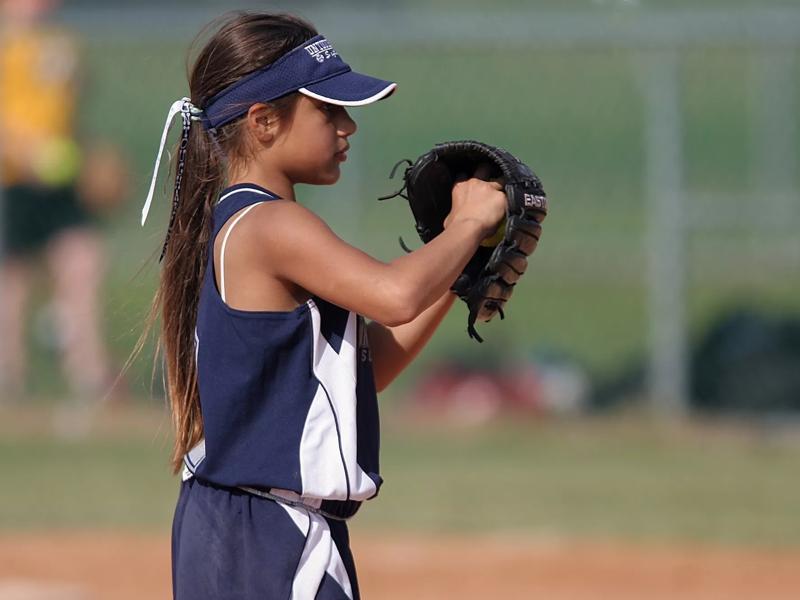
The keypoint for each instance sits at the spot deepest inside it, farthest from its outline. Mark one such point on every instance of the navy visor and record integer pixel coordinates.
(314, 68)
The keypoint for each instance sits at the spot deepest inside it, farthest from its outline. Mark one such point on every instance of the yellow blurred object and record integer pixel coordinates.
(497, 237)
(38, 71)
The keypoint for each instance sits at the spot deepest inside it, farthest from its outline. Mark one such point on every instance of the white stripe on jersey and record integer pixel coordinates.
(330, 432)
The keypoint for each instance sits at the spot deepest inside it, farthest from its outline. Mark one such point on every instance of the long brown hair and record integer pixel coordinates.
(243, 42)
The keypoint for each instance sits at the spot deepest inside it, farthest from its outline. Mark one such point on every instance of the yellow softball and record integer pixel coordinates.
(496, 237)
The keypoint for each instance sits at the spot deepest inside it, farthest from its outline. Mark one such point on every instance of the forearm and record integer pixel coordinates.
(393, 348)
(429, 272)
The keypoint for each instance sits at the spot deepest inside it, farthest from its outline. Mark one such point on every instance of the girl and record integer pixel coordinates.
(272, 369)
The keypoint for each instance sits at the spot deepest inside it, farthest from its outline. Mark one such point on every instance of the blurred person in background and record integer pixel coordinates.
(52, 193)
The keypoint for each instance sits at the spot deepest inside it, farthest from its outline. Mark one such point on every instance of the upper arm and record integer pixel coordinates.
(299, 247)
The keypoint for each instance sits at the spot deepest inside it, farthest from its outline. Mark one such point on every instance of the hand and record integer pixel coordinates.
(478, 200)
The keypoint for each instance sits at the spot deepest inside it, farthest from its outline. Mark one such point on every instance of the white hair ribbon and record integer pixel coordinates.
(188, 111)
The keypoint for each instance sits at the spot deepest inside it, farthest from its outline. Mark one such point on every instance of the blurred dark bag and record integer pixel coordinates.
(748, 362)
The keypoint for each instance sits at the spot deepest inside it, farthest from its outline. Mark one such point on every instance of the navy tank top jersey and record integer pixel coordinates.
(288, 397)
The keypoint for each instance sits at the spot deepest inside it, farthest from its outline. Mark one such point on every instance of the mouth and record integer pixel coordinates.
(342, 154)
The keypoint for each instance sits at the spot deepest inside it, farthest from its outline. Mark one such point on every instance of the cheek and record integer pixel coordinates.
(315, 165)
(311, 153)
(313, 141)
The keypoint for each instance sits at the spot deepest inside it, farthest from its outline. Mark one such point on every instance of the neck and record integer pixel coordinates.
(271, 179)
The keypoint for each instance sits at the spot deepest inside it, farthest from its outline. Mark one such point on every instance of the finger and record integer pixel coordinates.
(482, 171)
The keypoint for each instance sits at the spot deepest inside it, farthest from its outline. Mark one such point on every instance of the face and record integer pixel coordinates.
(311, 144)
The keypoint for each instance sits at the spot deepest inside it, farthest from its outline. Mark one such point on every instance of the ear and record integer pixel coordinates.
(262, 122)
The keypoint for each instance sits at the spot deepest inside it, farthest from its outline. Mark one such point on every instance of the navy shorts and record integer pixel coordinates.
(231, 545)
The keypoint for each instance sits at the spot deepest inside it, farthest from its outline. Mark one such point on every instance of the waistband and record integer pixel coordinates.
(338, 510)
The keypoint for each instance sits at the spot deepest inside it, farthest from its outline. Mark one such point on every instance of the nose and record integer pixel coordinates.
(346, 125)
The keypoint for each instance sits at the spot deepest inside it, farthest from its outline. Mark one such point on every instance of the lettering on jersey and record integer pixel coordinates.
(321, 50)
(364, 353)
(533, 201)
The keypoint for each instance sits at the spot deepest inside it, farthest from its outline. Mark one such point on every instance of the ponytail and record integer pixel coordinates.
(184, 264)
(243, 43)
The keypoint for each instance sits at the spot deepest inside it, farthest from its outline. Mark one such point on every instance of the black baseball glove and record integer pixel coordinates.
(488, 279)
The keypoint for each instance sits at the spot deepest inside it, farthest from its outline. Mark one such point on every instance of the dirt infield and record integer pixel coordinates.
(95, 566)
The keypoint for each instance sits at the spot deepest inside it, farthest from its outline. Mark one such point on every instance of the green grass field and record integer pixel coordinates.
(622, 478)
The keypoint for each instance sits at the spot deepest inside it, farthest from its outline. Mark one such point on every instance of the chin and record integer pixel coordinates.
(320, 176)
(328, 178)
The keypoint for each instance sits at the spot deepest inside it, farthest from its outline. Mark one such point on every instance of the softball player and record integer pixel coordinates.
(272, 369)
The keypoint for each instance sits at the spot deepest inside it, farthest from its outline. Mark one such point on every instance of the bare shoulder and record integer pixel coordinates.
(254, 254)
(282, 209)
(285, 222)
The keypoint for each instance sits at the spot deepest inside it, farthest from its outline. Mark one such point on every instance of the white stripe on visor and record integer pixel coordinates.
(382, 94)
